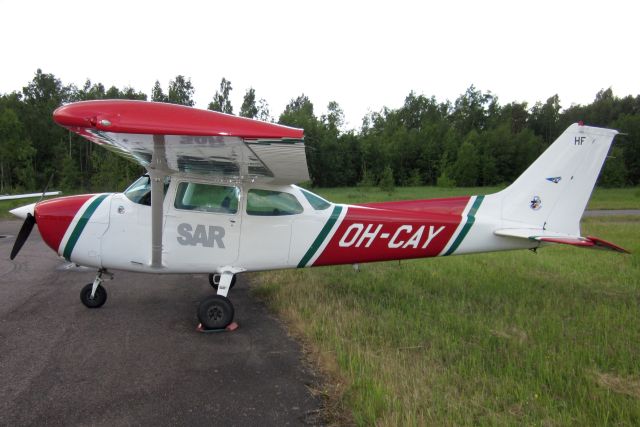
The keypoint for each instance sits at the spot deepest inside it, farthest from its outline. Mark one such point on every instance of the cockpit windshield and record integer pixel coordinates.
(140, 191)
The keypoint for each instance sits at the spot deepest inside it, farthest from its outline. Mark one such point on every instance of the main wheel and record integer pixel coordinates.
(215, 312)
(214, 280)
(99, 298)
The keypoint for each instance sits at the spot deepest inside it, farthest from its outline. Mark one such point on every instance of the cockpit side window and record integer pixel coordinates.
(272, 203)
(207, 198)
(140, 191)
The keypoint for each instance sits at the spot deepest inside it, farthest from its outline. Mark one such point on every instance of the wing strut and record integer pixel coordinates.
(157, 174)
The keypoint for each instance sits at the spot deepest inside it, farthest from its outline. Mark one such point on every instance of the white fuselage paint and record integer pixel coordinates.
(118, 236)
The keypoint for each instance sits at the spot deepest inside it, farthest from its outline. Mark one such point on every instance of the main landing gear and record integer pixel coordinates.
(216, 311)
(214, 281)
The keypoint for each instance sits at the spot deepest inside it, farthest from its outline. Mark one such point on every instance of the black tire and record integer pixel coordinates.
(214, 279)
(215, 312)
(98, 299)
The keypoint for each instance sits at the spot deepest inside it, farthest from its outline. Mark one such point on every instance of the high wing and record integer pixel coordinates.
(177, 139)
(169, 139)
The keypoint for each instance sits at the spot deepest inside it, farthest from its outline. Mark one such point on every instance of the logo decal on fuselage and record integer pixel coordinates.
(208, 237)
(535, 203)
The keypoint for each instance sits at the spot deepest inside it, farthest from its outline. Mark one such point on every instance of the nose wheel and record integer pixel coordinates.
(96, 300)
(94, 295)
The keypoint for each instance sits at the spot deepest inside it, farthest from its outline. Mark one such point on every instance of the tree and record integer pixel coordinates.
(470, 110)
(156, 93)
(630, 145)
(466, 167)
(181, 91)
(299, 113)
(41, 97)
(614, 172)
(263, 111)
(544, 119)
(249, 108)
(335, 116)
(221, 100)
(387, 183)
(130, 93)
(16, 153)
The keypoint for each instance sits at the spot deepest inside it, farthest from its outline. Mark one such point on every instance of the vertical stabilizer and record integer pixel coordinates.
(553, 192)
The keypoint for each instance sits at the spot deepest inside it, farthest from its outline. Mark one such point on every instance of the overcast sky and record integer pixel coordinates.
(364, 55)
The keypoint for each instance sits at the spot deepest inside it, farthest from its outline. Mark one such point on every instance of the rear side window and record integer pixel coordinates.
(272, 203)
(317, 202)
(207, 198)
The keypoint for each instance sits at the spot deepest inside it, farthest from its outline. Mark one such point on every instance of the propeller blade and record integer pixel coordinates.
(27, 226)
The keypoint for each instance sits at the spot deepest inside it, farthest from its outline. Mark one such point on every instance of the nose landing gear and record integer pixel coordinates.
(94, 295)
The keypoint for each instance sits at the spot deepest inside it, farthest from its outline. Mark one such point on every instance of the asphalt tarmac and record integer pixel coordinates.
(138, 359)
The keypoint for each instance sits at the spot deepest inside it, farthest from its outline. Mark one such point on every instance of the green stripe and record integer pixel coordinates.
(323, 235)
(470, 220)
(77, 231)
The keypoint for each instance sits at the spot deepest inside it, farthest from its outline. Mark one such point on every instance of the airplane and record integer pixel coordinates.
(220, 198)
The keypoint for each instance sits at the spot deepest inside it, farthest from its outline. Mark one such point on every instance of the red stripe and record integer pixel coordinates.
(394, 230)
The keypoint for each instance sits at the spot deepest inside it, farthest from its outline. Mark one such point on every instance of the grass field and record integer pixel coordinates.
(494, 339)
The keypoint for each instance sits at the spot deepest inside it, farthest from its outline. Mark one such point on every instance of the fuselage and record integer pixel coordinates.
(210, 227)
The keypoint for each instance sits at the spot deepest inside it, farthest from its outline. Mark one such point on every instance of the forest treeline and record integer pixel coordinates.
(472, 141)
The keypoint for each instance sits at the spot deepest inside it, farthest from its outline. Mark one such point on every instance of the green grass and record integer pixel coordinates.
(615, 198)
(494, 339)
(602, 198)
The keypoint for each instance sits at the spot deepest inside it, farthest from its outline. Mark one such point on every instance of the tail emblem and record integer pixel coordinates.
(536, 203)
(554, 179)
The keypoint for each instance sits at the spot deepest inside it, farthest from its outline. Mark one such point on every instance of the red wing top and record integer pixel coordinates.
(156, 118)
(188, 140)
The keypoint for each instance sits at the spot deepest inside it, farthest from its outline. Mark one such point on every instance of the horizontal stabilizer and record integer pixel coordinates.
(565, 239)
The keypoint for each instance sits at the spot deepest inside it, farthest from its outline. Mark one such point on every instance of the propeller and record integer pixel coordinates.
(27, 226)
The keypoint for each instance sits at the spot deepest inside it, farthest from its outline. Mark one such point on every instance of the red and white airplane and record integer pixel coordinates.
(219, 198)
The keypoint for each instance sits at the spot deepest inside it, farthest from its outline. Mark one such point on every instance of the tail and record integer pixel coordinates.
(552, 194)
